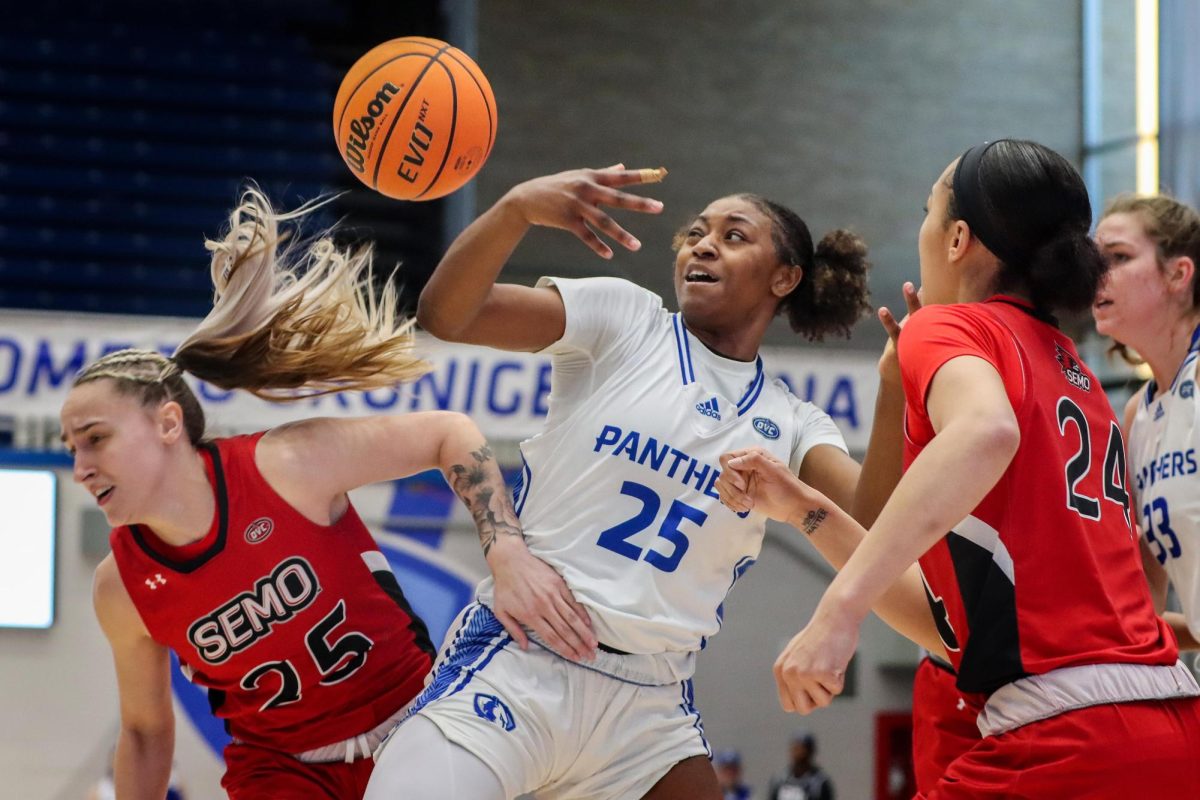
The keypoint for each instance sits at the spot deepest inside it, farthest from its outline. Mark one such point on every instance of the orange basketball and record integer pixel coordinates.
(415, 118)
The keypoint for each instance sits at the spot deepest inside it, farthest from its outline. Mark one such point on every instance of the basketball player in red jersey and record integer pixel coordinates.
(244, 556)
(1011, 446)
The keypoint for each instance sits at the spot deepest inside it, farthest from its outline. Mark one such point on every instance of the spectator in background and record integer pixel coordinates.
(728, 764)
(804, 780)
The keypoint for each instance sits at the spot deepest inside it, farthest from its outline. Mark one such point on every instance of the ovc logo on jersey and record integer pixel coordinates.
(235, 625)
(493, 709)
(259, 529)
(709, 408)
(766, 427)
(1187, 388)
(1071, 368)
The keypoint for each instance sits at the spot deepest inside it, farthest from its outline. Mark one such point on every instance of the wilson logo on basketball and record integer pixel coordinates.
(259, 529)
(361, 129)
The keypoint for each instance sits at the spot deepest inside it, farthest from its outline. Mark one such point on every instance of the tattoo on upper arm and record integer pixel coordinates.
(481, 488)
(813, 520)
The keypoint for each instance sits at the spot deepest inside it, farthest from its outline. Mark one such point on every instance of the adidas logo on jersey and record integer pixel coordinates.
(1159, 413)
(709, 408)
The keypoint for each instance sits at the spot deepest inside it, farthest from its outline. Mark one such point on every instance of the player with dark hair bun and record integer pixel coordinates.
(616, 492)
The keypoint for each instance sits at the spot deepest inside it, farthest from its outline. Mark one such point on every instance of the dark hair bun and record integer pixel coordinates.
(832, 296)
(1065, 272)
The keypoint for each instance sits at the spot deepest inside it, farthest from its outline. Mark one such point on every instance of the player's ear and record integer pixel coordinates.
(170, 422)
(785, 278)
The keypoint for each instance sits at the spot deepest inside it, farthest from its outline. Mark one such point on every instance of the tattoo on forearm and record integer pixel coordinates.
(480, 486)
(813, 520)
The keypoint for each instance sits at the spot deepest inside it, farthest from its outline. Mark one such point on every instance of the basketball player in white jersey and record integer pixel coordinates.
(617, 492)
(1150, 301)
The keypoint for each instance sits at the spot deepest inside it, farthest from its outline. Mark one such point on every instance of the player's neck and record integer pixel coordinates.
(186, 504)
(737, 344)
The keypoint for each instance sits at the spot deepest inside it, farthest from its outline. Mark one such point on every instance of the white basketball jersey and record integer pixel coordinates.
(1162, 446)
(617, 493)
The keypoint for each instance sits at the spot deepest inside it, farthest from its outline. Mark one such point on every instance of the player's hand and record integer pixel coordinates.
(889, 362)
(753, 479)
(574, 201)
(811, 670)
(530, 593)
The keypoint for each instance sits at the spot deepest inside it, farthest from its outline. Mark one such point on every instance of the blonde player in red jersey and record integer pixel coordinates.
(1011, 446)
(245, 556)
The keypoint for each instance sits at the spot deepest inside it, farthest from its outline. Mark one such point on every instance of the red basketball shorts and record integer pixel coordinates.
(1116, 751)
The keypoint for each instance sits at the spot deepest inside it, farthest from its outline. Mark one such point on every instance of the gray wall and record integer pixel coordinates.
(847, 112)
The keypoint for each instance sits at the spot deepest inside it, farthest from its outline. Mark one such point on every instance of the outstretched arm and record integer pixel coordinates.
(462, 301)
(884, 462)
(754, 479)
(976, 438)
(360, 451)
(146, 742)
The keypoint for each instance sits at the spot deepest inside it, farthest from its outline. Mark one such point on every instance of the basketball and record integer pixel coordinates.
(415, 118)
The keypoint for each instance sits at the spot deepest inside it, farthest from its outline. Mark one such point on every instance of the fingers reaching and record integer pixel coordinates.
(889, 322)
(589, 237)
(912, 298)
(912, 302)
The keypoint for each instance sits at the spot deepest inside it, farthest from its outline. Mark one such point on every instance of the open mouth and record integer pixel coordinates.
(104, 496)
(696, 276)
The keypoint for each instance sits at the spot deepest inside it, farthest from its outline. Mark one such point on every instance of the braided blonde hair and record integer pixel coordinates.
(290, 319)
(299, 316)
(152, 377)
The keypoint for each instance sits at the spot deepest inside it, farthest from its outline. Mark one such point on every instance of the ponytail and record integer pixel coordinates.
(293, 317)
(1064, 272)
(832, 295)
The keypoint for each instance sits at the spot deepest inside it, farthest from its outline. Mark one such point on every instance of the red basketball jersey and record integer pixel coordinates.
(299, 631)
(1045, 572)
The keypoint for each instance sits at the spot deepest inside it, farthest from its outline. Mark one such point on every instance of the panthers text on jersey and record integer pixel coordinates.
(617, 492)
(1162, 465)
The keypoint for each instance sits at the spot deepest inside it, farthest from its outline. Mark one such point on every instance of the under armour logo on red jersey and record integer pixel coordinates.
(156, 581)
